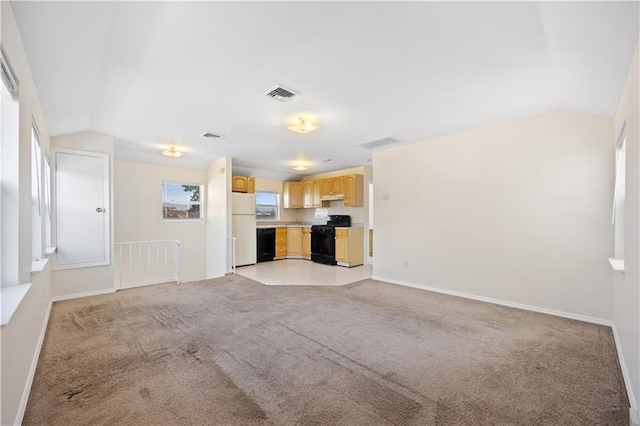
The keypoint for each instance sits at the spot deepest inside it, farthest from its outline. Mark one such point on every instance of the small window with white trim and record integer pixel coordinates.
(267, 205)
(182, 201)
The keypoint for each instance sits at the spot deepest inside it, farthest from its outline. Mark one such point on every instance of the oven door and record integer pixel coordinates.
(323, 245)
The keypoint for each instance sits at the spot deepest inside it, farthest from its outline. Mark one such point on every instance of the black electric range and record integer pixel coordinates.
(323, 239)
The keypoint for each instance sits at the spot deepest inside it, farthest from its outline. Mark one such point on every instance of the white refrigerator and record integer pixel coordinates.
(243, 211)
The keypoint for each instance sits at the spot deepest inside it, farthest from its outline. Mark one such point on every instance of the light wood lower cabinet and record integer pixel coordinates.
(306, 243)
(349, 246)
(294, 242)
(281, 243)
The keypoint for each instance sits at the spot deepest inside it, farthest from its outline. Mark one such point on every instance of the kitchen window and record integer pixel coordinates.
(267, 205)
(182, 201)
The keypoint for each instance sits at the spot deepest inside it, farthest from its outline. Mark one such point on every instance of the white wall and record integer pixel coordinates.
(20, 339)
(218, 217)
(519, 212)
(137, 209)
(79, 281)
(627, 287)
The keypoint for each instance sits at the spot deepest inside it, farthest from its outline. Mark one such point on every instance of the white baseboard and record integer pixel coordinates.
(563, 314)
(634, 417)
(79, 295)
(633, 409)
(32, 370)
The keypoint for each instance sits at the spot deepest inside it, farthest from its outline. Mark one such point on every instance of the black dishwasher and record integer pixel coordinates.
(266, 244)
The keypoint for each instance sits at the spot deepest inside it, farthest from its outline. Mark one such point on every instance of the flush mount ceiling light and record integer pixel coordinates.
(300, 167)
(171, 152)
(303, 126)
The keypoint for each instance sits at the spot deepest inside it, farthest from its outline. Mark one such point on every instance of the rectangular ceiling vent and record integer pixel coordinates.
(281, 94)
(381, 142)
(212, 135)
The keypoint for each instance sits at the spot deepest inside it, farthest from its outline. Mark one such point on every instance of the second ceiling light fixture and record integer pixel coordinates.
(303, 125)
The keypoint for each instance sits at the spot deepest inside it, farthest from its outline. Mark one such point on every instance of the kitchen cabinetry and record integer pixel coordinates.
(243, 184)
(294, 242)
(306, 243)
(281, 243)
(333, 186)
(239, 183)
(353, 191)
(307, 194)
(317, 195)
(292, 195)
(349, 249)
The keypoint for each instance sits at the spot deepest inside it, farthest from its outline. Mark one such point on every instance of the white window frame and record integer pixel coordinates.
(617, 216)
(48, 210)
(200, 203)
(37, 237)
(277, 217)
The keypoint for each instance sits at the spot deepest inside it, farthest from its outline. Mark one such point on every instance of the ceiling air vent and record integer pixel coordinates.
(281, 94)
(381, 142)
(212, 135)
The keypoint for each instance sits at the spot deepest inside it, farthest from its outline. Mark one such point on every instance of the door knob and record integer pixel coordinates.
(99, 209)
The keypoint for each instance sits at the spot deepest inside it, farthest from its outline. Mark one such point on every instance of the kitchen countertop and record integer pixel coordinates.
(285, 225)
(302, 225)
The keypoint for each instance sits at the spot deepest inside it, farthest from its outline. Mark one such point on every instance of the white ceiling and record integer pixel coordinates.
(155, 74)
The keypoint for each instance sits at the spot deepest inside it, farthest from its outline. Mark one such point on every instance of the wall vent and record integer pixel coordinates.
(381, 142)
(212, 135)
(281, 94)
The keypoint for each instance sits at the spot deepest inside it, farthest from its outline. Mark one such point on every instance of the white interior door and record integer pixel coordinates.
(82, 209)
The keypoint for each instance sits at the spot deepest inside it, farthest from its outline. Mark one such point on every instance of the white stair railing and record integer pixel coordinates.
(147, 262)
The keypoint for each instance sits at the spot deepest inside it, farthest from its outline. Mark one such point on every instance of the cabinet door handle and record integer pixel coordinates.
(99, 209)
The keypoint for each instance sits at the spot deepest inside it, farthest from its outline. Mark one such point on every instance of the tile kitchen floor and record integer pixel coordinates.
(303, 272)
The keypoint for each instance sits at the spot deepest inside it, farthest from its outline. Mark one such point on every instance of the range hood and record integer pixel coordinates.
(332, 197)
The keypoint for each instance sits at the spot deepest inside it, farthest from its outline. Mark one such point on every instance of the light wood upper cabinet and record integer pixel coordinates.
(317, 194)
(294, 242)
(239, 183)
(337, 185)
(306, 243)
(333, 186)
(292, 195)
(251, 185)
(326, 187)
(307, 194)
(353, 191)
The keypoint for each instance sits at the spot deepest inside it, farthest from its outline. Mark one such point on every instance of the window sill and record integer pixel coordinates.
(187, 221)
(11, 298)
(617, 264)
(37, 265)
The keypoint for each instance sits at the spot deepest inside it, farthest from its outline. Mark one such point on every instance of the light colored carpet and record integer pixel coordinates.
(234, 352)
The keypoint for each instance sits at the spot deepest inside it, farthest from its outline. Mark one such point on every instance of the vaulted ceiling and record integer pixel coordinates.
(155, 74)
